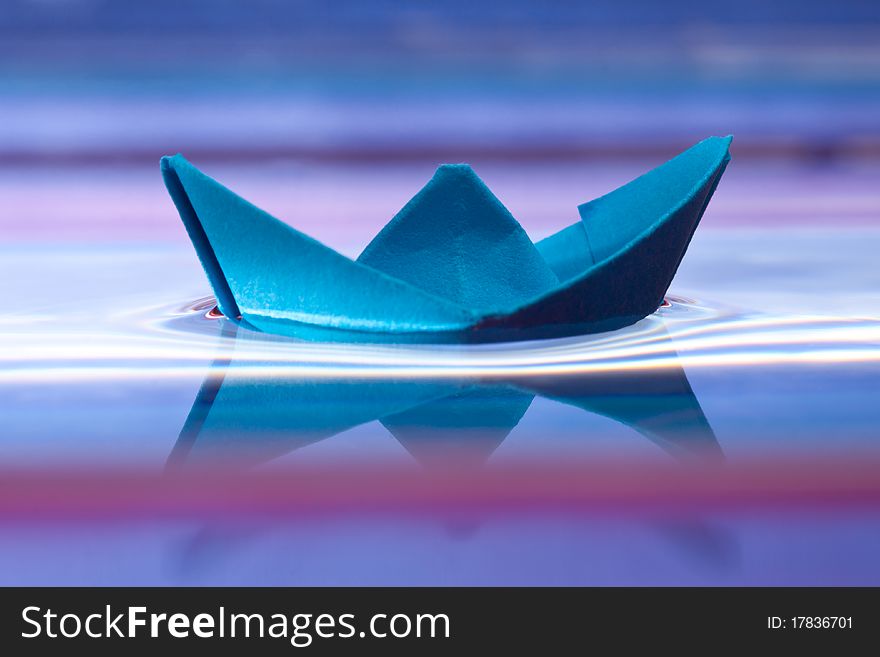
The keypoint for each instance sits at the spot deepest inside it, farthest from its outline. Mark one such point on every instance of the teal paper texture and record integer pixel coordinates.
(453, 264)
(456, 240)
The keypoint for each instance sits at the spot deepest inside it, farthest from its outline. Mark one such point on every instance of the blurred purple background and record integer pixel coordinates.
(331, 115)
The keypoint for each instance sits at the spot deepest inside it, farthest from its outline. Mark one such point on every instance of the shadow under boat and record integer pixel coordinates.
(242, 420)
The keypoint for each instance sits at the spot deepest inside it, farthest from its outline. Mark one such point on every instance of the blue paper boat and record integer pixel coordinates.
(453, 264)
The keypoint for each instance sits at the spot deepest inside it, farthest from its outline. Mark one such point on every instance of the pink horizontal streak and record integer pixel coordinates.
(595, 486)
(346, 205)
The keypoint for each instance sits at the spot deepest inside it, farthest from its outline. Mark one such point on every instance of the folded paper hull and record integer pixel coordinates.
(453, 265)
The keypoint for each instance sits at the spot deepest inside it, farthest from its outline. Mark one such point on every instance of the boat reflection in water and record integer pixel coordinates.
(244, 419)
